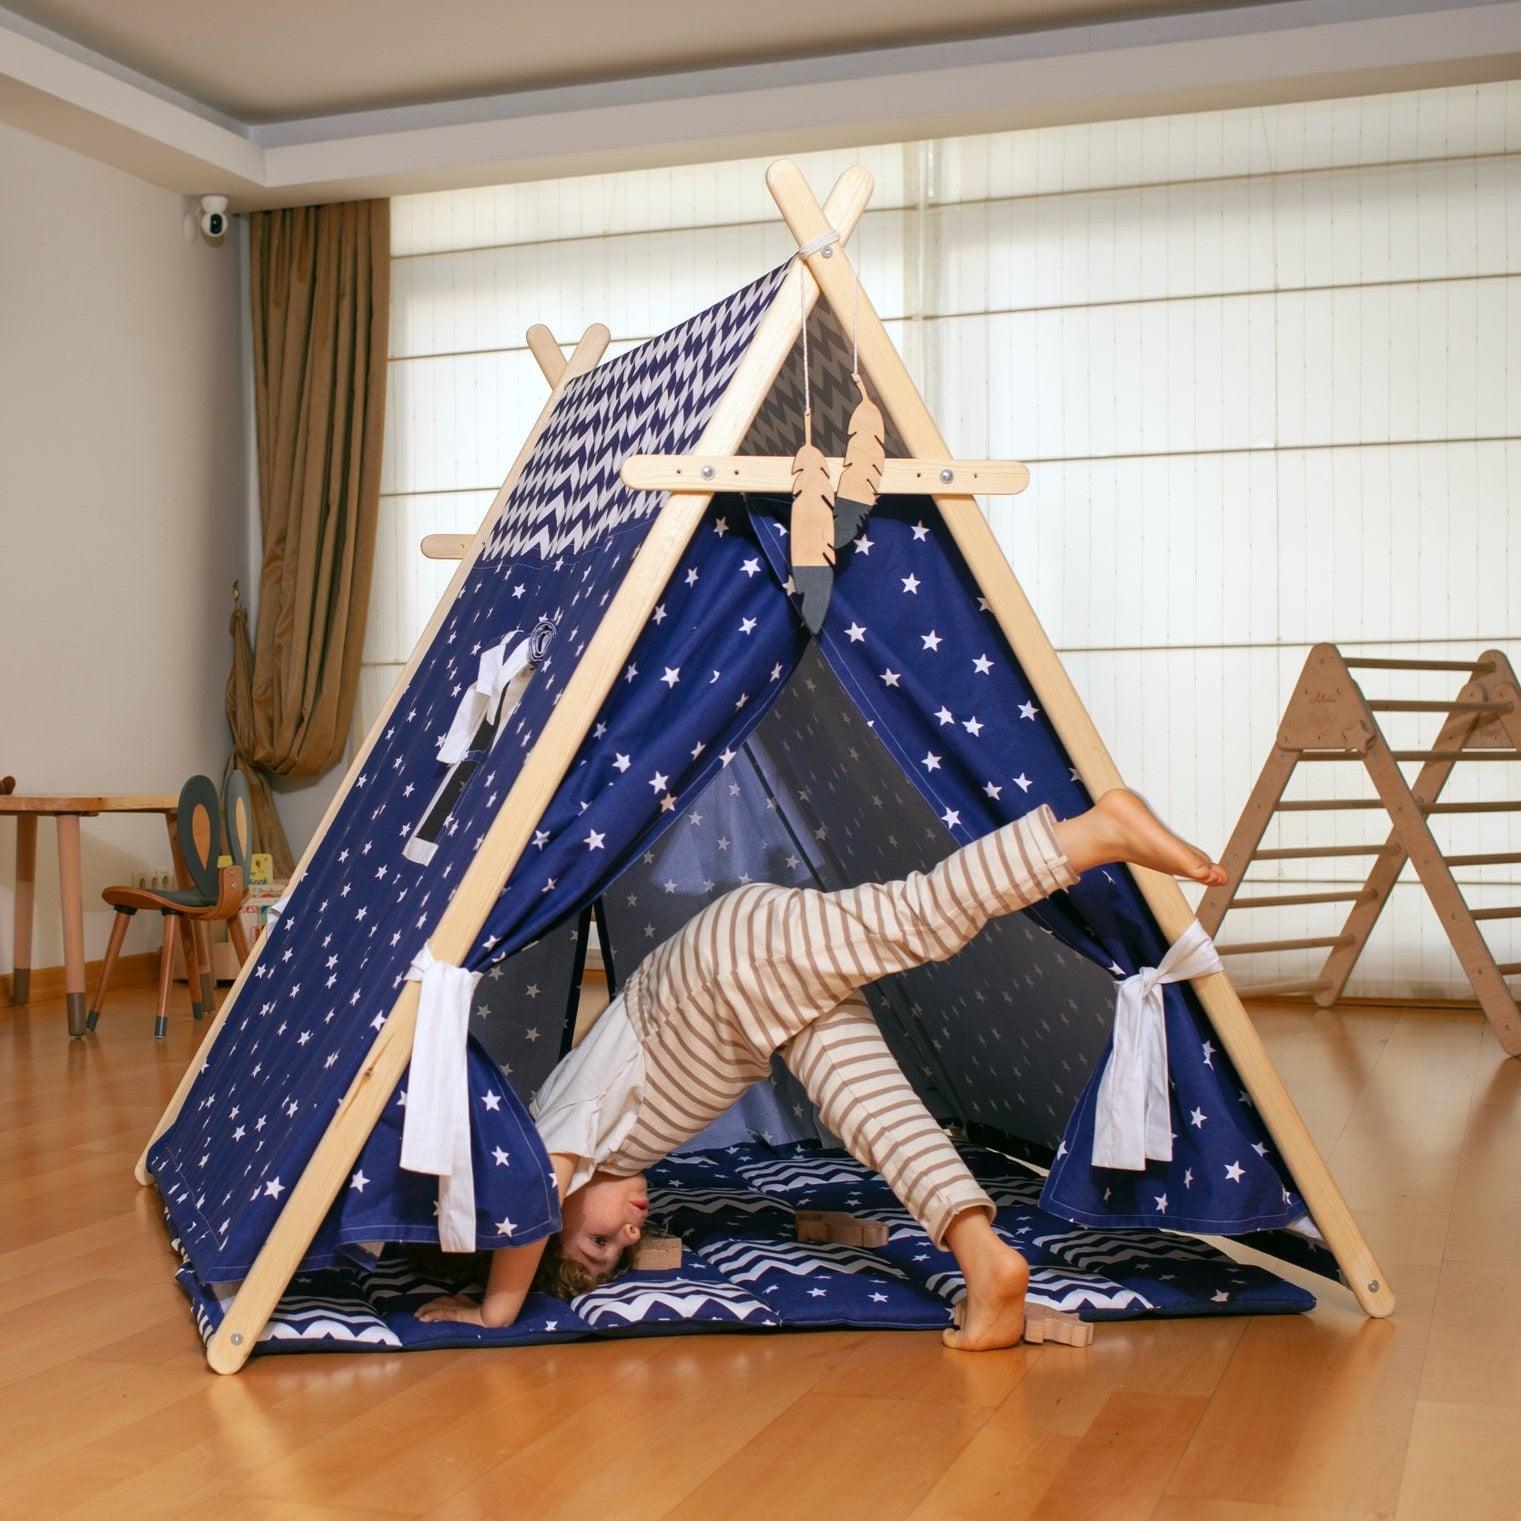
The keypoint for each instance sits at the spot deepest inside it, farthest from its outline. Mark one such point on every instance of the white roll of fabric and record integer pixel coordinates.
(435, 1134)
(1131, 1123)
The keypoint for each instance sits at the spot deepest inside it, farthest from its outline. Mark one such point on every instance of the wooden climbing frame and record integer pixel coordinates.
(1329, 718)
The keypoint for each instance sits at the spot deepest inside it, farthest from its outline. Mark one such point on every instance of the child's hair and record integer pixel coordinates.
(564, 1279)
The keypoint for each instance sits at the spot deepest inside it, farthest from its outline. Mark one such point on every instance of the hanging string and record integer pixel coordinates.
(802, 297)
(855, 332)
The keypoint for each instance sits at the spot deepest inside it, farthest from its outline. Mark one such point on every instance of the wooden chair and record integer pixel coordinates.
(215, 893)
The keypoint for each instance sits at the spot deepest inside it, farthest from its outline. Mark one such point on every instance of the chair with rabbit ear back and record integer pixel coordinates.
(215, 893)
(237, 840)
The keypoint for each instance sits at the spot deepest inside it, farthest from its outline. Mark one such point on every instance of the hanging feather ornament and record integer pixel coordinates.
(864, 457)
(811, 532)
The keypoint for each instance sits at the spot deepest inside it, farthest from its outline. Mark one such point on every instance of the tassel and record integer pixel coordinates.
(864, 458)
(811, 533)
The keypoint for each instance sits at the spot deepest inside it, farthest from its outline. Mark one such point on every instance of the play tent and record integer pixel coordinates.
(616, 714)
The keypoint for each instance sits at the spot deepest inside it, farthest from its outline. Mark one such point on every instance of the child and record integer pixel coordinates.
(768, 969)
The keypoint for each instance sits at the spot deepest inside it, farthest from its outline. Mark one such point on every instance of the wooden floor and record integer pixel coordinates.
(107, 1410)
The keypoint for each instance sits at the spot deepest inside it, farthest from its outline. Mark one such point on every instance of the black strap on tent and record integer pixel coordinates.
(605, 941)
(578, 967)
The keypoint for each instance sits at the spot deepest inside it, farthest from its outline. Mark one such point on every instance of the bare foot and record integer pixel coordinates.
(1137, 835)
(993, 1313)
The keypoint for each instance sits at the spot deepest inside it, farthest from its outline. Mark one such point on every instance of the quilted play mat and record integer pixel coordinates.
(743, 1270)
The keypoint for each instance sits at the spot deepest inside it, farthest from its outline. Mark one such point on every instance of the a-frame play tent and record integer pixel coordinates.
(637, 642)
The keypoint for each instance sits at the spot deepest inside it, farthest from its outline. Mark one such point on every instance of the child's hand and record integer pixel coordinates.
(458, 1307)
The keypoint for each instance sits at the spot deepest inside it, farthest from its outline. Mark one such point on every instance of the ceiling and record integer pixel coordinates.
(277, 60)
(296, 102)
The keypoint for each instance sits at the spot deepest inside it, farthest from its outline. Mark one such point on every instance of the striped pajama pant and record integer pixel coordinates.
(768, 969)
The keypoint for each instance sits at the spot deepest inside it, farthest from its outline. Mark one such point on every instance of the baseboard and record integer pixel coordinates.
(48, 981)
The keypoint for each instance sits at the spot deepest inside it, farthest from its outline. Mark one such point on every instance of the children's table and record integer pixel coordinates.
(66, 812)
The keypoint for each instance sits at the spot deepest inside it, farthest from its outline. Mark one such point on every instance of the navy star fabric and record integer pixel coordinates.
(729, 749)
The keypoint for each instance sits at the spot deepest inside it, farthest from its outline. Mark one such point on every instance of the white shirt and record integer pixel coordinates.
(588, 1104)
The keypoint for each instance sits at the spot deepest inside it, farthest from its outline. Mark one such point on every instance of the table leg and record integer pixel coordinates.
(26, 885)
(71, 900)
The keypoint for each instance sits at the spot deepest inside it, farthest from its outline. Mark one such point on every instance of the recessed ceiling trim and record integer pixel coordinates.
(1255, 54)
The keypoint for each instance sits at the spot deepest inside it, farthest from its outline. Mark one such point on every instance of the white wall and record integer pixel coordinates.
(122, 509)
(1265, 365)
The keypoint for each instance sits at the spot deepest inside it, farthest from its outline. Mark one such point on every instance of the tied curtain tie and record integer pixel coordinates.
(435, 1135)
(498, 684)
(1132, 1124)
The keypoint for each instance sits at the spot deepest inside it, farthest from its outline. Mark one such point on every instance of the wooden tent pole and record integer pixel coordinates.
(588, 351)
(900, 399)
(543, 770)
(545, 348)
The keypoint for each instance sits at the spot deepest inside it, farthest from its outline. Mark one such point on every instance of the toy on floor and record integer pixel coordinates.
(839, 1227)
(1057, 1326)
(658, 1254)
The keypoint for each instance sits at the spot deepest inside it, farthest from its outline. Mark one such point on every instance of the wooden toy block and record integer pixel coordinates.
(658, 1254)
(841, 1228)
(1057, 1326)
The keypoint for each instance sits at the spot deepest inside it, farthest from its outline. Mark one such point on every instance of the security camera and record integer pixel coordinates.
(214, 216)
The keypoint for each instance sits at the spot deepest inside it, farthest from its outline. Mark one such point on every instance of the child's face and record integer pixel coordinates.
(602, 1219)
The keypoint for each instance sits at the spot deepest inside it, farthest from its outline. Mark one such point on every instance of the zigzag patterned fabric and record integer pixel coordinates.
(743, 1269)
(908, 729)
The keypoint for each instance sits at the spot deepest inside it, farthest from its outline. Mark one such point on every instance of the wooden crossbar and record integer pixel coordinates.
(1479, 667)
(1293, 985)
(1290, 900)
(773, 474)
(1329, 718)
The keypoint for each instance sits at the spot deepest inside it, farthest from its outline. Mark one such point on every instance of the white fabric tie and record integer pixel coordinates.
(435, 1134)
(498, 684)
(1131, 1124)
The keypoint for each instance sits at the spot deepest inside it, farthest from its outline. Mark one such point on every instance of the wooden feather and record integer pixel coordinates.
(811, 534)
(862, 473)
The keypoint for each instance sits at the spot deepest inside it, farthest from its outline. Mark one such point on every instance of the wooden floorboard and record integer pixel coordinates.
(106, 1407)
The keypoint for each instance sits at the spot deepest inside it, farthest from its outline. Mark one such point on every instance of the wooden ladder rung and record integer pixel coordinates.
(1508, 968)
(1403, 705)
(1377, 663)
(1334, 804)
(1294, 900)
(1511, 911)
(1253, 947)
(1414, 755)
(1271, 989)
(1456, 755)
(1494, 858)
(1319, 852)
(1327, 804)
(1496, 807)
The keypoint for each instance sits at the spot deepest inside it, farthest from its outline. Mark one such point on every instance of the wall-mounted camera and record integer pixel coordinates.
(214, 217)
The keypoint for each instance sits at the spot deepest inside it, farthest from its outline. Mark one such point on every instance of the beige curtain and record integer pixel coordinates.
(321, 278)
